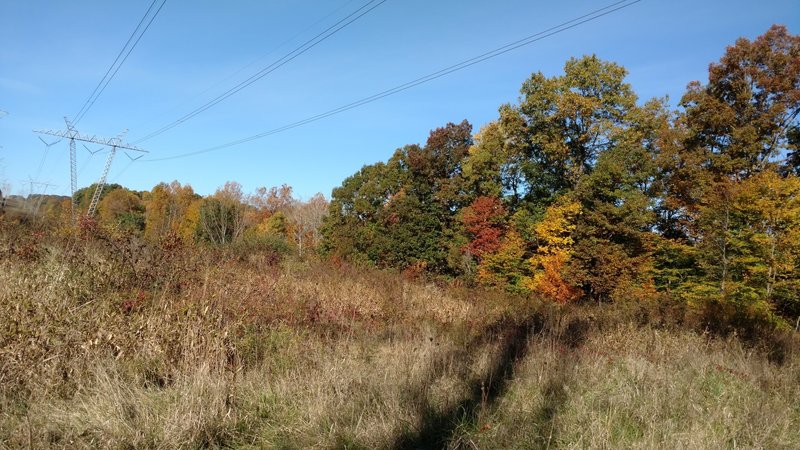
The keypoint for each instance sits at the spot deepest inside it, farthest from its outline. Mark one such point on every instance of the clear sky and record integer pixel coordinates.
(53, 54)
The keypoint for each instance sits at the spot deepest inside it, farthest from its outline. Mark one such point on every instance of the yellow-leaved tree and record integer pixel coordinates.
(769, 204)
(554, 241)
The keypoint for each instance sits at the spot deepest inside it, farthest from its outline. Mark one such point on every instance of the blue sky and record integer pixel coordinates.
(53, 54)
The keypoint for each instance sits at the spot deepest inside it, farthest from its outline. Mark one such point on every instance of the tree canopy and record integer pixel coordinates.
(580, 191)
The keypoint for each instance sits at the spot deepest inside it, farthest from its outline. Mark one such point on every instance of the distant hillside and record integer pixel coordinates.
(34, 204)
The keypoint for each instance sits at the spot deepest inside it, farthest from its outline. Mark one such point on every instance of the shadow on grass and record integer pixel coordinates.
(440, 428)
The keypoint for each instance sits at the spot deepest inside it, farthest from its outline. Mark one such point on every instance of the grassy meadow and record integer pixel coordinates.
(109, 342)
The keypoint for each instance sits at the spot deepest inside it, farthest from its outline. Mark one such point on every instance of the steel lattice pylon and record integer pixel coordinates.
(73, 135)
(101, 184)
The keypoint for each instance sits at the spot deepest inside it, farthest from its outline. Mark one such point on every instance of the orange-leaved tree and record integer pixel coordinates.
(485, 221)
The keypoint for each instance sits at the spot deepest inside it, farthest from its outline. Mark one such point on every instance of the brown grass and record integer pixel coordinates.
(644, 387)
(111, 342)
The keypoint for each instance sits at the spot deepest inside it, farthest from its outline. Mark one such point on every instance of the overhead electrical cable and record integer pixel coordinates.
(119, 174)
(596, 14)
(108, 76)
(41, 163)
(306, 46)
(44, 156)
(115, 66)
(250, 64)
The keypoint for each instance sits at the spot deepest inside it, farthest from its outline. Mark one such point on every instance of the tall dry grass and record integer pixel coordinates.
(110, 342)
(643, 387)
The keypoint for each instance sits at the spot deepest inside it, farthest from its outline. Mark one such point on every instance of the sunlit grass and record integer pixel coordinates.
(182, 348)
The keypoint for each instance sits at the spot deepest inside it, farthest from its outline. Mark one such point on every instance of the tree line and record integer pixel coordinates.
(270, 216)
(579, 191)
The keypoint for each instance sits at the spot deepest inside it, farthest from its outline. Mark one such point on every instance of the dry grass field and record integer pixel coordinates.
(109, 342)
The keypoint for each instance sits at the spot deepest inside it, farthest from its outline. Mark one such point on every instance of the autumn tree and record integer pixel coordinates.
(122, 208)
(402, 212)
(497, 163)
(171, 208)
(771, 206)
(307, 218)
(614, 239)
(273, 199)
(222, 216)
(578, 135)
(740, 121)
(422, 213)
(555, 243)
(507, 267)
(749, 248)
(570, 119)
(83, 196)
(276, 225)
(485, 222)
(743, 121)
(355, 227)
(581, 191)
(266, 202)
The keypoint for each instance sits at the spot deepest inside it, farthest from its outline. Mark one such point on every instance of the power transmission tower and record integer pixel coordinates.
(73, 135)
(29, 205)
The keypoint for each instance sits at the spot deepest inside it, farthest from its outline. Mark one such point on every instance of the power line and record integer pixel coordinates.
(41, 163)
(86, 161)
(259, 59)
(114, 68)
(113, 64)
(121, 172)
(44, 155)
(596, 14)
(306, 46)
